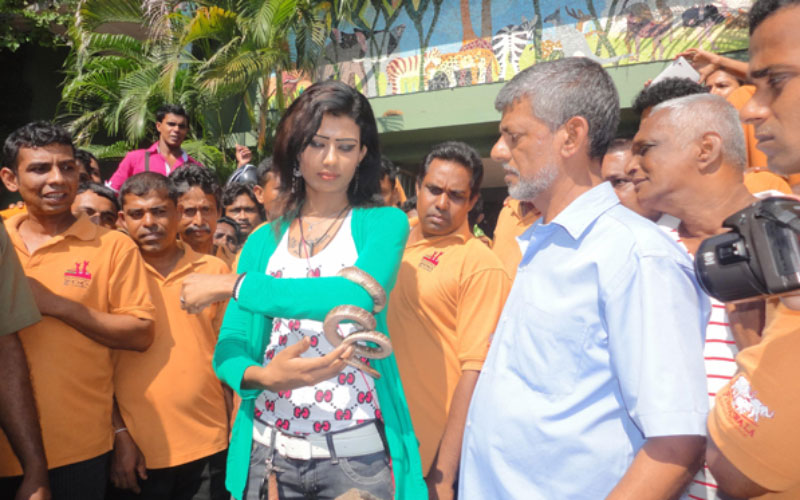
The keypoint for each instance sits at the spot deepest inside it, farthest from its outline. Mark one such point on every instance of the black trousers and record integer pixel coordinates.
(203, 479)
(79, 481)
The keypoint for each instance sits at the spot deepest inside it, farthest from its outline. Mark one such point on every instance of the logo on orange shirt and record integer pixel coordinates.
(79, 276)
(742, 407)
(429, 262)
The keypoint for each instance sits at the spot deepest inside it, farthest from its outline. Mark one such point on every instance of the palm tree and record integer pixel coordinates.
(115, 81)
(256, 40)
(215, 58)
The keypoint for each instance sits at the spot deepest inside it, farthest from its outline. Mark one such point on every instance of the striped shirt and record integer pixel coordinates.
(719, 352)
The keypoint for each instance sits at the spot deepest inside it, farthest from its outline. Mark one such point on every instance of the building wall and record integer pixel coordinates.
(413, 46)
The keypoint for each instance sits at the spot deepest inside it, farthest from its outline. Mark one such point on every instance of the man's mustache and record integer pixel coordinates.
(195, 228)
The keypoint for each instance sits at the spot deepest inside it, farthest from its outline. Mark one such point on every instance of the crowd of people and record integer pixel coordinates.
(293, 334)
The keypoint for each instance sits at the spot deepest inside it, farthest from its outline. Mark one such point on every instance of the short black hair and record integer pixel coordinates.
(666, 89)
(477, 210)
(100, 190)
(237, 230)
(146, 182)
(84, 157)
(189, 176)
(461, 153)
(388, 168)
(264, 170)
(34, 135)
(409, 205)
(762, 9)
(171, 109)
(233, 191)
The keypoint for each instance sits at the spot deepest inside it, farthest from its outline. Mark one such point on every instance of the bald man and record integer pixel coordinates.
(689, 159)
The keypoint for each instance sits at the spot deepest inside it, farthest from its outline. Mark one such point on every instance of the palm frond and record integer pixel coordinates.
(110, 152)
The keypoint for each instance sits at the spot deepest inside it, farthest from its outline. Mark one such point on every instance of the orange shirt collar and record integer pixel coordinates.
(416, 238)
(186, 263)
(83, 229)
(516, 209)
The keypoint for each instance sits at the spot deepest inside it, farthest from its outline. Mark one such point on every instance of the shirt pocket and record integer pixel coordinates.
(550, 354)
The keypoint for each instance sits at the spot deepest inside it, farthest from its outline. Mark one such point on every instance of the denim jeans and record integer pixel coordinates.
(320, 478)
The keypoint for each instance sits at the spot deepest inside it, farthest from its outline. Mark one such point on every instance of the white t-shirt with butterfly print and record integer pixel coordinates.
(334, 404)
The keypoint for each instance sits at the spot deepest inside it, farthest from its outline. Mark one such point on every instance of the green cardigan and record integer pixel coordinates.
(380, 235)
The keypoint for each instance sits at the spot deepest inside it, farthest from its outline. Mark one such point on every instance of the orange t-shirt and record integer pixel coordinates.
(72, 374)
(738, 98)
(794, 179)
(170, 399)
(754, 421)
(11, 212)
(510, 224)
(781, 319)
(442, 312)
(757, 181)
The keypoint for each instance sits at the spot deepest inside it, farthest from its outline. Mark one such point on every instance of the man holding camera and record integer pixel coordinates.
(754, 445)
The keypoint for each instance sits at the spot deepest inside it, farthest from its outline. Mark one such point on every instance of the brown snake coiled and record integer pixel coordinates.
(364, 319)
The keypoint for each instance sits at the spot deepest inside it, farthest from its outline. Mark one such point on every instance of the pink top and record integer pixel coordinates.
(133, 164)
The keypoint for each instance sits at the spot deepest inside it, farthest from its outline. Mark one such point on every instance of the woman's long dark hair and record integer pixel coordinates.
(298, 127)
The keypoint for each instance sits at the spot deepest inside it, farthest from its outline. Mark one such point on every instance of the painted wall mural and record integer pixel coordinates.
(403, 46)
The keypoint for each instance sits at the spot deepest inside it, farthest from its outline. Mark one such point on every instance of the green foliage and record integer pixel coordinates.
(217, 58)
(29, 21)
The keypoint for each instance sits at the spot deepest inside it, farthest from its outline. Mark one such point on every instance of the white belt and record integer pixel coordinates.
(362, 440)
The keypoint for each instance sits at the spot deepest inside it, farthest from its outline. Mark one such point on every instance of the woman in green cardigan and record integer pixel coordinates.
(309, 425)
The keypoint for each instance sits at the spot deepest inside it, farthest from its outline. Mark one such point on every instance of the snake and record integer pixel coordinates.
(364, 319)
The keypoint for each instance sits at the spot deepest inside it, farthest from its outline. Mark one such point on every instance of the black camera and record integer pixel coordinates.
(759, 256)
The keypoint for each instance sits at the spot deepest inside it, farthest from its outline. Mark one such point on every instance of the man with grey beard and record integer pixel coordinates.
(594, 384)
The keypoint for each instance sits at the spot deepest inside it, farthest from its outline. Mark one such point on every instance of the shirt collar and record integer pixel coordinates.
(460, 235)
(185, 264)
(585, 209)
(83, 229)
(154, 149)
(516, 207)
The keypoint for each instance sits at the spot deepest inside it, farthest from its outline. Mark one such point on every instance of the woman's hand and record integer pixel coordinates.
(288, 371)
(199, 291)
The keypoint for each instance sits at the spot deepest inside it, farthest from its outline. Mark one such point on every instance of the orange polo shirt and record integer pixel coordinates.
(754, 420)
(170, 399)
(11, 212)
(72, 374)
(442, 312)
(510, 224)
(738, 98)
(761, 179)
